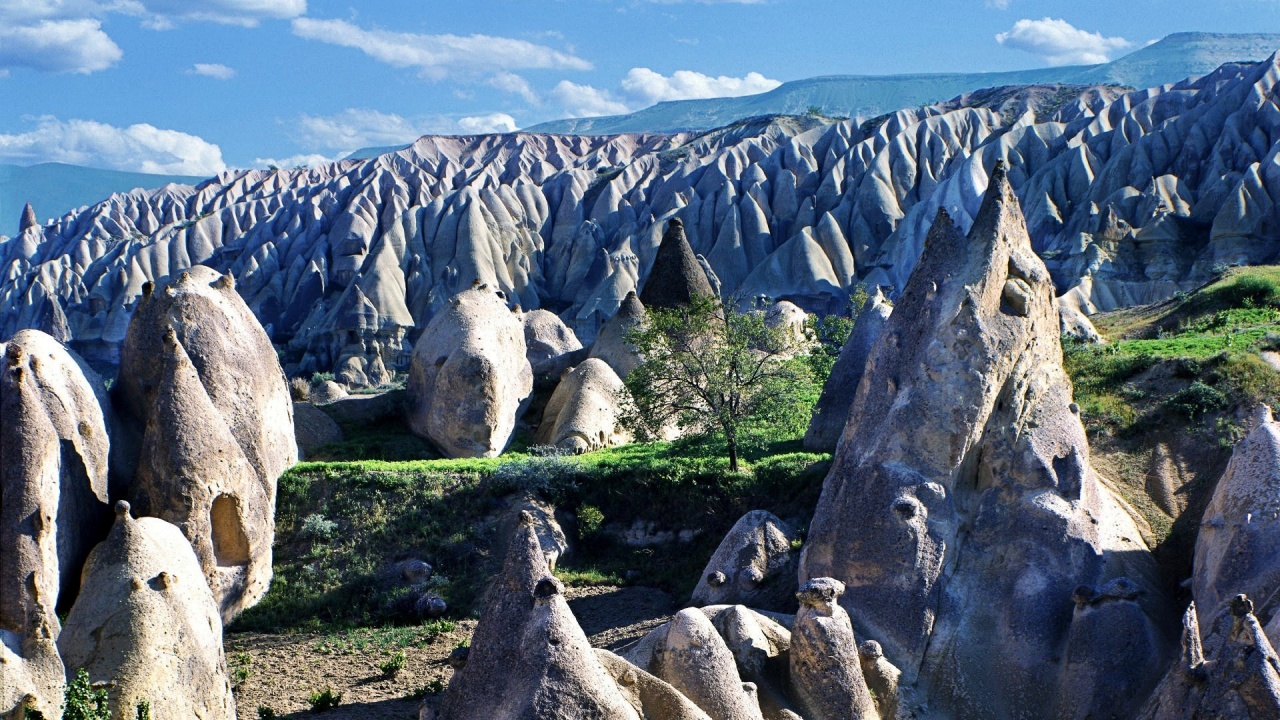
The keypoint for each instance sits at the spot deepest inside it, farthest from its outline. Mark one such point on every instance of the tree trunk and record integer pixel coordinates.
(733, 453)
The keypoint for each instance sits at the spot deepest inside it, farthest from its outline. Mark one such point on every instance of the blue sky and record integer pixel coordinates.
(149, 85)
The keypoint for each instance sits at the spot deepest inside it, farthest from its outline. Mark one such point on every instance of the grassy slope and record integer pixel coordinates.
(1166, 399)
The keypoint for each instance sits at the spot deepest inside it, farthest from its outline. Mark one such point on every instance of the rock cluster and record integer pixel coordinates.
(583, 414)
(202, 427)
(755, 565)
(831, 414)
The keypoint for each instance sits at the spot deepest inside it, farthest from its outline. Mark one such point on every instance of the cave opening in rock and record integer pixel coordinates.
(230, 544)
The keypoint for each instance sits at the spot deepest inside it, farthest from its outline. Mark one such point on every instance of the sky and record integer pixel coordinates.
(157, 86)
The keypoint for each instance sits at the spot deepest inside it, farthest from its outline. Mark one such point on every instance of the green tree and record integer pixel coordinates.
(709, 371)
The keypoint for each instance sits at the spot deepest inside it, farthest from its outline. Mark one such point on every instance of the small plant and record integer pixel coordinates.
(1196, 399)
(316, 527)
(318, 378)
(435, 687)
(33, 714)
(393, 665)
(463, 643)
(241, 669)
(590, 519)
(325, 700)
(300, 389)
(266, 712)
(144, 710)
(82, 701)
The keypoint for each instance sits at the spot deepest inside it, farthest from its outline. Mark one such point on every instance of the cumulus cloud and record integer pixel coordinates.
(586, 101)
(511, 83)
(306, 160)
(137, 148)
(1057, 42)
(648, 87)
(488, 124)
(998, 4)
(439, 56)
(78, 46)
(216, 71)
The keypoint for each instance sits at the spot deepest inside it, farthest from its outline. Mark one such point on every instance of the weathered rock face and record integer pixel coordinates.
(148, 624)
(313, 428)
(583, 414)
(961, 440)
(611, 344)
(546, 339)
(470, 376)
(754, 565)
(1238, 548)
(695, 660)
(652, 698)
(831, 413)
(200, 379)
(676, 276)
(528, 658)
(826, 669)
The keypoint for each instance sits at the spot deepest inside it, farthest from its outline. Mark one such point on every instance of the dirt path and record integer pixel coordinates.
(281, 671)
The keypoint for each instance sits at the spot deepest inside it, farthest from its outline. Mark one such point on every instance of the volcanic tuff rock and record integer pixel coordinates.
(962, 441)
(470, 377)
(831, 413)
(1130, 195)
(825, 667)
(754, 565)
(528, 658)
(148, 625)
(546, 339)
(676, 276)
(582, 414)
(695, 660)
(201, 382)
(611, 344)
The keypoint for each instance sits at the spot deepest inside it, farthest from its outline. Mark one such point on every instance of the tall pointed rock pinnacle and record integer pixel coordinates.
(29, 219)
(676, 276)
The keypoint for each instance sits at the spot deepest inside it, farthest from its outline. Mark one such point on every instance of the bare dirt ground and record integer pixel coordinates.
(282, 671)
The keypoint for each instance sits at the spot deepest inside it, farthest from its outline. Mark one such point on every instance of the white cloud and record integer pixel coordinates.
(649, 87)
(248, 13)
(1057, 42)
(998, 4)
(308, 160)
(516, 85)
(438, 56)
(216, 71)
(137, 148)
(586, 101)
(356, 128)
(57, 46)
(488, 124)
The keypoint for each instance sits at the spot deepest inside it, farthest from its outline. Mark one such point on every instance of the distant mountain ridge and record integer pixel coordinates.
(1170, 60)
(54, 189)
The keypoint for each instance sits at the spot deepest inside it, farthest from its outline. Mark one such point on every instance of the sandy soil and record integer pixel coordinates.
(283, 670)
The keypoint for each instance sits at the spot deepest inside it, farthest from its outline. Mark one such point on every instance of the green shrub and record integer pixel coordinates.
(144, 710)
(317, 528)
(1196, 399)
(393, 665)
(84, 702)
(266, 712)
(324, 700)
(590, 520)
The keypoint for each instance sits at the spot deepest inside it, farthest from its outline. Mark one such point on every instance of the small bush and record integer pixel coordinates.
(325, 700)
(300, 389)
(266, 712)
(590, 519)
(435, 687)
(317, 528)
(144, 710)
(84, 702)
(318, 378)
(1196, 399)
(393, 665)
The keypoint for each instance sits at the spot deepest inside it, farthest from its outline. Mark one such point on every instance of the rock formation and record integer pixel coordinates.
(313, 429)
(676, 276)
(470, 376)
(201, 380)
(342, 262)
(148, 624)
(826, 669)
(652, 698)
(962, 441)
(695, 660)
(831, 413)
(754, 565)
(528, 657)
(611, 344)
(546, 339)
(583, 414)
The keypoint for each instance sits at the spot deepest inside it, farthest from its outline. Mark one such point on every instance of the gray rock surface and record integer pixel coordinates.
(529, 658)
(962, 441)
(313, 428)
(831, 413)
(754, 565)
(611, 344)
(583, 414)
(201, 386)
(148, 624)
(676, 276)
(652, 698)
(826, 669)
(470, 377)
(695, 660)
(546, 339)
(1132, 195)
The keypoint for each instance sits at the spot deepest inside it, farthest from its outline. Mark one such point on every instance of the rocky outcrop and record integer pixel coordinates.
(148, 625)
(826, 669)
(583, 413)
(676, 276)
(695, 660)
(470, 377)
(313, 429)
(200, 380)
(528, 657)
(831, 413)
(611, 344)
(652, 698)
(754, 565)
(546, 340)
(962, 441)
